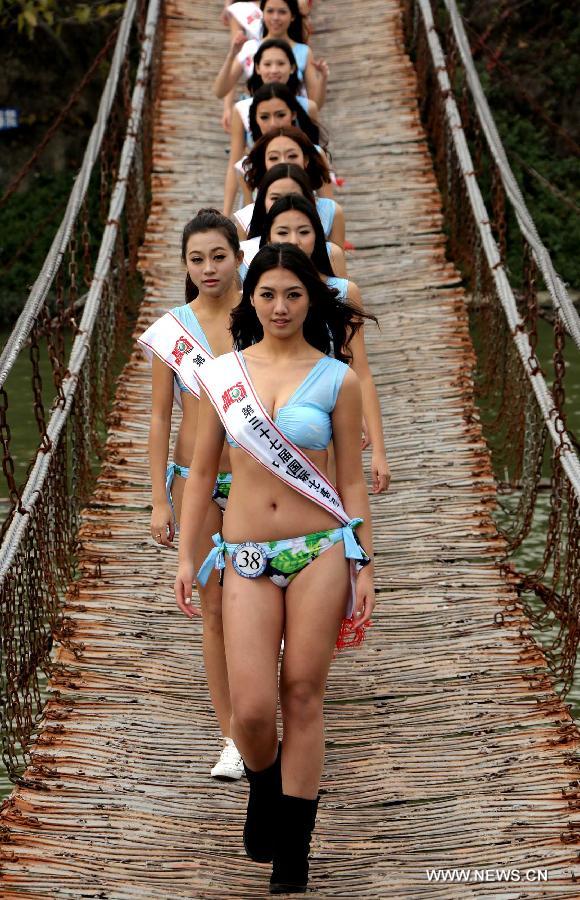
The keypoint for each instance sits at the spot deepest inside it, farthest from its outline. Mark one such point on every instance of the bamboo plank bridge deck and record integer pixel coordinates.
(446, 746)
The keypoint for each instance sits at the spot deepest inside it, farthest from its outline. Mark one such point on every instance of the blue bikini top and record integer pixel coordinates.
(300, 52)
(326, 210)
(303, 101)
(305, 419)
(188, 318)
(340, 285)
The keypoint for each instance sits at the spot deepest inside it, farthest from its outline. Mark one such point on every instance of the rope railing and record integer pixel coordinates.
(554, 284)
(523, 420)
(58, 121)
(43, 283)
(37, 550)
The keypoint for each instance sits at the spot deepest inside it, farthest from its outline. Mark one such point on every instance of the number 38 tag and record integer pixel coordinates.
(249, 560)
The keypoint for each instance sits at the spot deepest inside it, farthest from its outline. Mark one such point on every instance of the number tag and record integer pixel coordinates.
(249, 560)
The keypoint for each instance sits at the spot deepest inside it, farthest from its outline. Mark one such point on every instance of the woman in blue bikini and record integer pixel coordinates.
(282, 20)
(293, 219)
(272, 106)
(288, 145)
(331, 253)
(292, 554)
(282, 179)
(247, 16)
(197, 330)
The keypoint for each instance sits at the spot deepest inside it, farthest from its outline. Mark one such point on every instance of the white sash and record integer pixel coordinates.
(246, 56)
(244, 215)
(249, 249)
(243, 108)
(175, 345)
(249, 16)
(232, 394)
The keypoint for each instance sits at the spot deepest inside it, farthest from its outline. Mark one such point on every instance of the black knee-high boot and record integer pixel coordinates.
(263, 810)
(295, 825)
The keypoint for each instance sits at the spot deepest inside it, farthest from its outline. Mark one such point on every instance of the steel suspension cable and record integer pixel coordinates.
(553, 282)
(561, 440)
(42, 285)
(81, 343)
(52, 130)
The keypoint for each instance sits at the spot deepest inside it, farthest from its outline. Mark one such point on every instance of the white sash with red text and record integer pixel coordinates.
(171, 341)
(228, 386)
(249, 16)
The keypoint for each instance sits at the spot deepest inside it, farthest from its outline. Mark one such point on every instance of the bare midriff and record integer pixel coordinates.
(262, 508)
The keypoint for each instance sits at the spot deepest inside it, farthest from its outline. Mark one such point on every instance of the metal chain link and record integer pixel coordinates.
(41, 562)
(86, 243)
(558, 391)
(515, 427)
(7, 459)
(38, 400)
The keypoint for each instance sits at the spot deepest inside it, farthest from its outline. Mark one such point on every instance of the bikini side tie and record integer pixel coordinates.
(215, 559)
(352, 548)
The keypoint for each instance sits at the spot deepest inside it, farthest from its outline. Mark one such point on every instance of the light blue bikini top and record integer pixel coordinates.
(326, 210)
(340, 285)
(305, 419)
(300, 52)
(188, 318)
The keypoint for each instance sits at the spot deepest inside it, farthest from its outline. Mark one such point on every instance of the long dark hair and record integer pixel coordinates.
(255, 162)
(277, 173)
(329, 324)
(320, 259)
(281, 92)
(296, 30)
(207, 219)
(294, 83)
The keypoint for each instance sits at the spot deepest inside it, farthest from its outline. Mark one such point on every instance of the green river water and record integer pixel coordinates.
(24, 439)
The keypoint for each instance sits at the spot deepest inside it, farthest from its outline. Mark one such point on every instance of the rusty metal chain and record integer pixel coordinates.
(42, 561)
(7, 459)
(104, 178)
(58, 121)
(513, 423)
(499, 211)
(530, 298)
(558, 390)
(38, 400)
(86, 244)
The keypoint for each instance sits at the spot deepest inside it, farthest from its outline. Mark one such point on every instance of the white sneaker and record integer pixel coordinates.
(230, 765)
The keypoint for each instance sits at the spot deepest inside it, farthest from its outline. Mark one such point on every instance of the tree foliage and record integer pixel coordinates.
(28, 15)
(528, 56)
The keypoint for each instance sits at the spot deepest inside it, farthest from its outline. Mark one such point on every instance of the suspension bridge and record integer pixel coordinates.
(449, 745)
